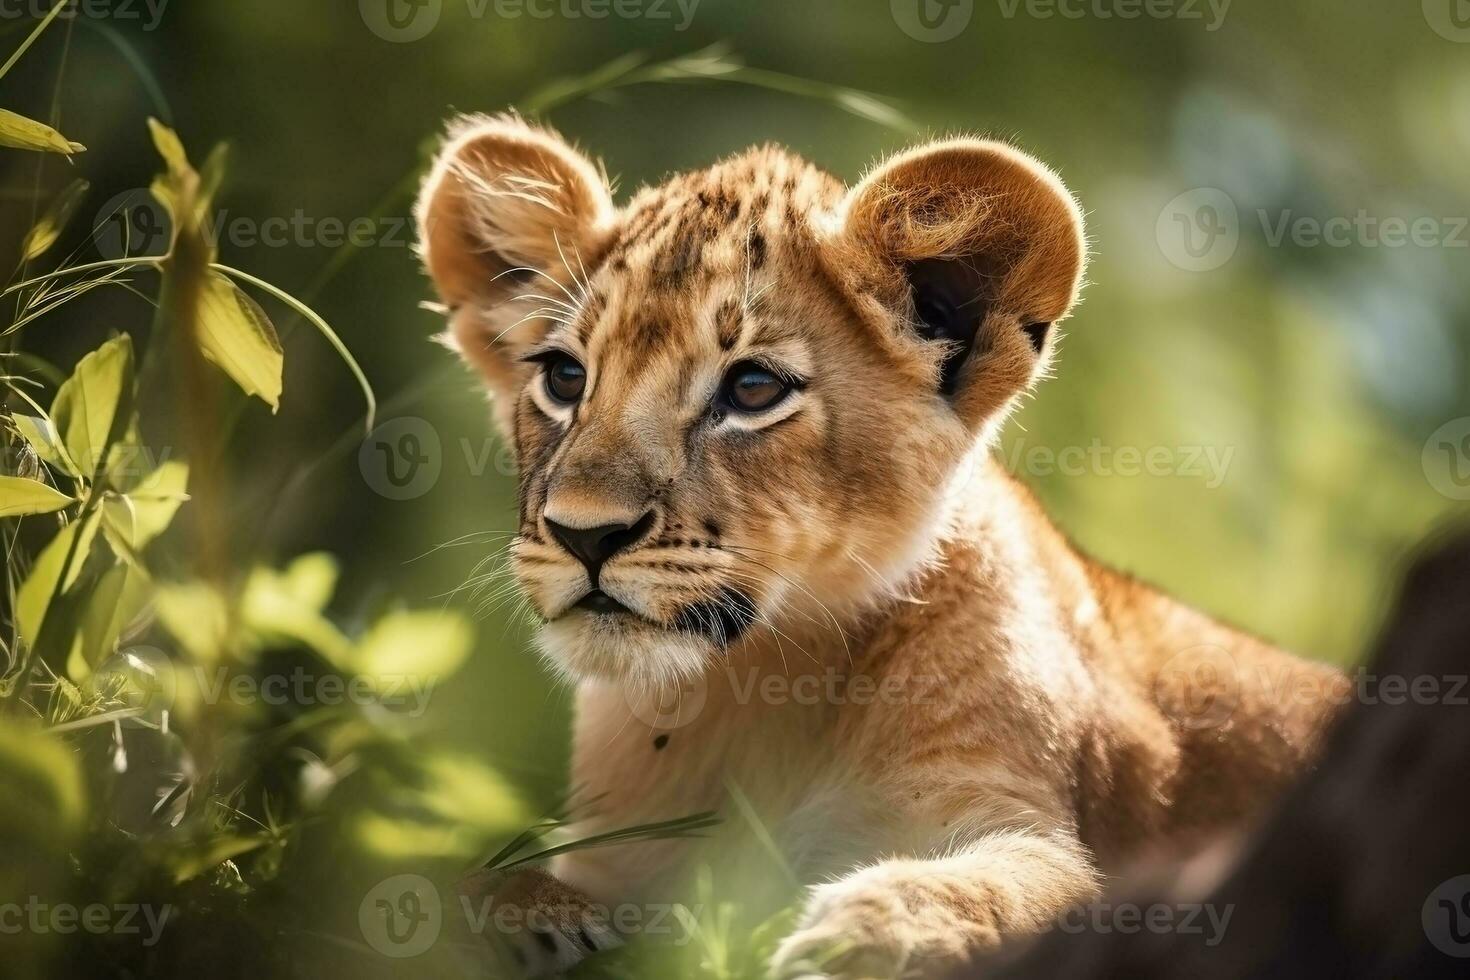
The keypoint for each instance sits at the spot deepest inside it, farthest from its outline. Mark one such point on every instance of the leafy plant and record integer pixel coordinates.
(149, 765)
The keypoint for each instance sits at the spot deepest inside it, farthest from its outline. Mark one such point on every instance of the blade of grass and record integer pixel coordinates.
(759, 829)
(25, 45)
(682, 827)
(322, 327)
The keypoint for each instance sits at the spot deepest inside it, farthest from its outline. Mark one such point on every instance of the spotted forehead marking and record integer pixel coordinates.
(698, 249)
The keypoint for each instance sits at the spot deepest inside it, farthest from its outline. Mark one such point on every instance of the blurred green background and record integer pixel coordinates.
(1304, 403)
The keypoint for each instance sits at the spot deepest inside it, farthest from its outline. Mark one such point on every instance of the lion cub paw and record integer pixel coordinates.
(861, 927)
(542, 926)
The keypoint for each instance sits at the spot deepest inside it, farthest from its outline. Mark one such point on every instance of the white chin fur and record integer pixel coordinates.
(582, 646)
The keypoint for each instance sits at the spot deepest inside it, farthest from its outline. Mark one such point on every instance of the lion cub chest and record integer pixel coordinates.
(760, 746)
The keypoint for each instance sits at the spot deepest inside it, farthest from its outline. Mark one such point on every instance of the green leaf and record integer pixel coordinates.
(429, 645)
(273, 611)
(38, 772)
(170, 147)
(212, 175)
(236, 334)
(19, 496)
(118, 598)
(27, 134)
(34, 599)
(464, 791)
(197, 616)
(41, 433)
(216, 850)
(86, 406)
(182, 183)
(459, 803)
(46, 231)
(311, 316)
(132, 520)
(312, 579)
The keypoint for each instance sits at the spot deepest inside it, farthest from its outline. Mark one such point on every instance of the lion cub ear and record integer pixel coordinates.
(505, 195)
(506, 204)
(980, 249)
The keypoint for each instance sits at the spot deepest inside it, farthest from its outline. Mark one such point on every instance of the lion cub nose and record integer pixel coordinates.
(593, 546)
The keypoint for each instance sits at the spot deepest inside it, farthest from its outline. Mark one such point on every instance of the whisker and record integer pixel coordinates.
(552, 279)
(735, 549)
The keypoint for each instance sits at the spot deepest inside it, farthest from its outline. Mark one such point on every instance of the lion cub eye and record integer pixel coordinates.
(752, 388)
(565, 379)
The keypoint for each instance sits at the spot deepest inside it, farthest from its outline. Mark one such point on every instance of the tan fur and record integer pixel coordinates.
(1046, 718)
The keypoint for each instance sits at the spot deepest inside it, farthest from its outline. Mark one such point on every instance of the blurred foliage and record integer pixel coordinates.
(1318, 372)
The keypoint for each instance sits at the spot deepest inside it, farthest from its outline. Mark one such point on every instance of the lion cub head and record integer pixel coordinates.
(737, 401)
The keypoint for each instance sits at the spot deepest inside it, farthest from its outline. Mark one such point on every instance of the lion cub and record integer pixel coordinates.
(753, 413)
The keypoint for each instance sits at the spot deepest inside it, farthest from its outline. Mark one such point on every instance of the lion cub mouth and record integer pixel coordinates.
(598, 601)
(722, 620)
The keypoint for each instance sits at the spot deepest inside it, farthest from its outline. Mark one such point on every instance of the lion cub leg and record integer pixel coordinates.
(907, 916)
(533, 924)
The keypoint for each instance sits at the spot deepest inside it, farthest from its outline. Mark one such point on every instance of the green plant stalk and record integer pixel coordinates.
(47, 636)
(25, 45)
(322, 326)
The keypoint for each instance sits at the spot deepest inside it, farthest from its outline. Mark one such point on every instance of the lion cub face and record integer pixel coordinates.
(737, 402)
